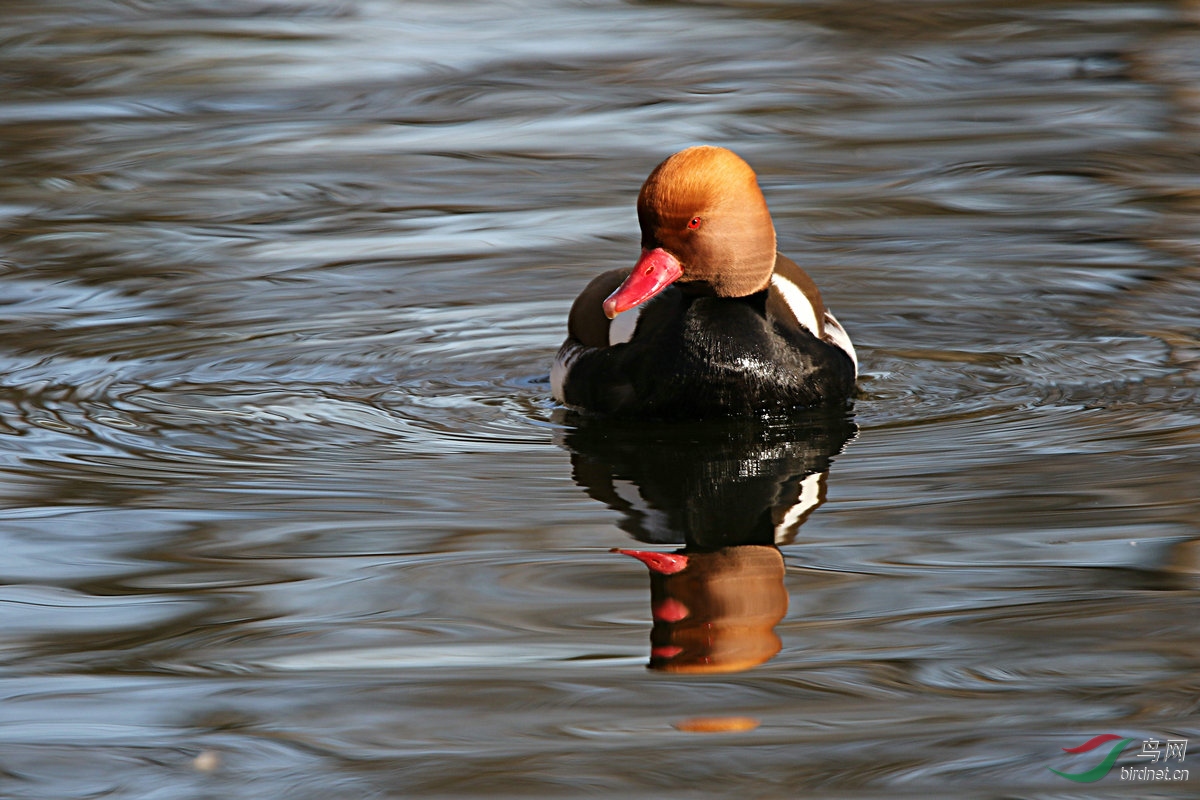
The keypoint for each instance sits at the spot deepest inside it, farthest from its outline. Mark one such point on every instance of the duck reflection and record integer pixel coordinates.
(730, 492)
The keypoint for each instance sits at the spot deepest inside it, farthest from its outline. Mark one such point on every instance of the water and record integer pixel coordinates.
(286, 509)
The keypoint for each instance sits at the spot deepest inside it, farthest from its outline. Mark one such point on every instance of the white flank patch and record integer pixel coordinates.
(653, 521)
(798, 303)
(836, 335)
(567, 354)
(621, 329)
(811, 495)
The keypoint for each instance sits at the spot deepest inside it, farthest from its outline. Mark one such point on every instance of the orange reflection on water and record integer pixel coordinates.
(714, 611)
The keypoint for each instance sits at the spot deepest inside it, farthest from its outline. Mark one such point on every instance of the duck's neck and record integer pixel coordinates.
(739, 281)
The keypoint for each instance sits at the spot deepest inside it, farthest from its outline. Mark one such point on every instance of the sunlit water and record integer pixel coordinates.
(287, 511)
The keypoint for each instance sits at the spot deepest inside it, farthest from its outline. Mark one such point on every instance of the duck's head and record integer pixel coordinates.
(705, 227)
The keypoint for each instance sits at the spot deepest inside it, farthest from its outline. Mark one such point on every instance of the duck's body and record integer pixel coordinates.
(688, 355)
(711, 320)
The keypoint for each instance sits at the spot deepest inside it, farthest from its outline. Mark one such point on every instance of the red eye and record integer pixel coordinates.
(695, 223)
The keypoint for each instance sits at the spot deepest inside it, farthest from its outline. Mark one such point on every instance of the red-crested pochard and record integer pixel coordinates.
(711, 320)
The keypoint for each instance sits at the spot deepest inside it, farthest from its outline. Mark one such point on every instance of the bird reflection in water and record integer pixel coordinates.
(731, 492)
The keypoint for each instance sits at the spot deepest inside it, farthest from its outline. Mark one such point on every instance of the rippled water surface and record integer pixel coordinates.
(286, 509)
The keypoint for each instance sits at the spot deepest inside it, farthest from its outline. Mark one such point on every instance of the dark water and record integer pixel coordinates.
(286, 509)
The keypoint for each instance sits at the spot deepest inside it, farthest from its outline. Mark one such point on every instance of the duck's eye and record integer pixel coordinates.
(695, 223)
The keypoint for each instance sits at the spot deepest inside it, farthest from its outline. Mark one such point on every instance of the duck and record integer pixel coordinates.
(711, 320)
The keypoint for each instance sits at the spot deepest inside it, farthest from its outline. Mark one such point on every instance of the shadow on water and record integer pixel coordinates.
(730, 492)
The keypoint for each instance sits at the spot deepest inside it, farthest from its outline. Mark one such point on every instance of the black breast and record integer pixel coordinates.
(707, 356)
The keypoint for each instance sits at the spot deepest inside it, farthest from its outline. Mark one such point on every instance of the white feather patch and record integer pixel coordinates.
(836, 335)
(621, 329)
(653, 521)
(811, 495)
(798, 303)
